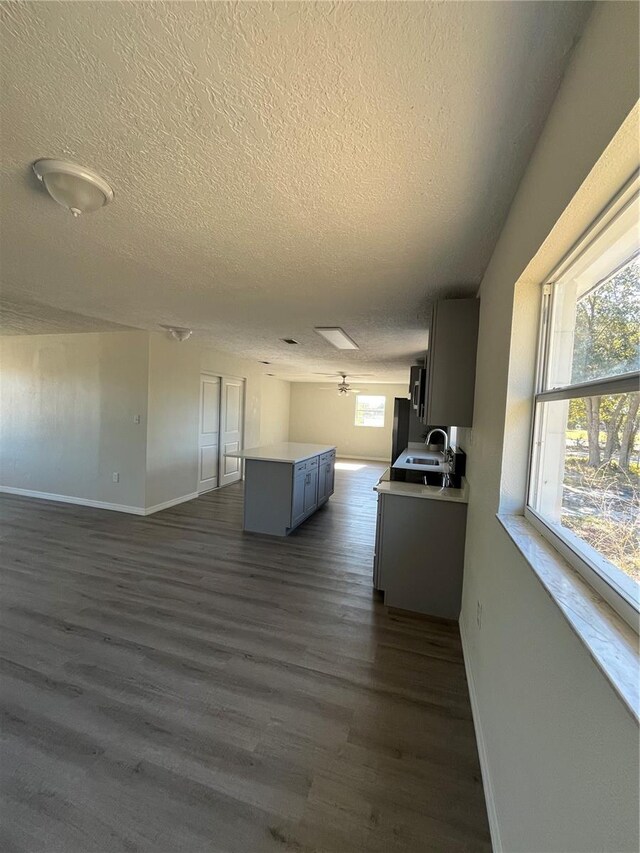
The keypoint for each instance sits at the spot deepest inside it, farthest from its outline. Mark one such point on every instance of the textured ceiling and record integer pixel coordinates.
(276, 166)
(18, 317)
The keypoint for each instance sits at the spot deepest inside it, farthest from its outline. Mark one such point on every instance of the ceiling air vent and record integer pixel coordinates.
(289, 341)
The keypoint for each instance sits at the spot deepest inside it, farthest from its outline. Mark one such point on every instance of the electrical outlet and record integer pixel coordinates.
(136, 419)
(479, 615)
(115, 477)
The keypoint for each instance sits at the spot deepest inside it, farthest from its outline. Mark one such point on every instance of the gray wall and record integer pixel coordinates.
(561, 749)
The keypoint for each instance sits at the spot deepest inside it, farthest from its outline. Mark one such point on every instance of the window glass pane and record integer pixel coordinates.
(587, 482)
(596, 332)
(596, 306)
(369, 411)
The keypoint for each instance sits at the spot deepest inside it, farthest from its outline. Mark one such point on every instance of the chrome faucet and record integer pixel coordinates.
(446, 476)
(446, 437)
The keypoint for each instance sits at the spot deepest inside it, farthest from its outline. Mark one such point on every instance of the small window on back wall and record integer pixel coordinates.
(369, 411)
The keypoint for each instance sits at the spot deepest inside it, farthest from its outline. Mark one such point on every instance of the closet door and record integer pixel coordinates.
(231, 428)
(209, 436)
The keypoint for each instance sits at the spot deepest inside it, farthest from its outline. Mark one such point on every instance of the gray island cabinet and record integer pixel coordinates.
(284, 484)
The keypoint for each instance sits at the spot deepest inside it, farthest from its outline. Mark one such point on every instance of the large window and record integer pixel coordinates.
(585, 473)
(369, 411)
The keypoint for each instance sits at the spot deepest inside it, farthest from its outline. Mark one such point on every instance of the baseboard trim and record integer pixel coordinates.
(344, 456)
(173, 502)
(492, 814)
(71, 499)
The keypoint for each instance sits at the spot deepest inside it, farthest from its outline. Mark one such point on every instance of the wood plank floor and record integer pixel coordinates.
(172, 684)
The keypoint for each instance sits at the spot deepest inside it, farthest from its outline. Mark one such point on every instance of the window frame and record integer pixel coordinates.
(384, 412)
(620, 592)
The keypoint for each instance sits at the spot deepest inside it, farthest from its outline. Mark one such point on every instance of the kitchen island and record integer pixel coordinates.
(285, 483)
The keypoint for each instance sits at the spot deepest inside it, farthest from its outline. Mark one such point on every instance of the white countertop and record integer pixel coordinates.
(285, 451)
(385, 486)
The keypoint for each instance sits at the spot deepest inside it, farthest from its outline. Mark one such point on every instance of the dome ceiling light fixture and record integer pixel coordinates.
(75, 187)
(178, 333)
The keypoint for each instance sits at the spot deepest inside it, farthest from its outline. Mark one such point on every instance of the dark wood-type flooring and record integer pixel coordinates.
(172, 684)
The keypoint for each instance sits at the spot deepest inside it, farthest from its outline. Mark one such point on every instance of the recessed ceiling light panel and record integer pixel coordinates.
(74, 187)
(337, 337)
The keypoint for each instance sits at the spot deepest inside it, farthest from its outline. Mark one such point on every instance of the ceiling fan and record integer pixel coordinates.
(343, 386)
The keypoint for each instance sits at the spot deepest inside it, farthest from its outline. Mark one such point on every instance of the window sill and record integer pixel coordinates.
(612, 644)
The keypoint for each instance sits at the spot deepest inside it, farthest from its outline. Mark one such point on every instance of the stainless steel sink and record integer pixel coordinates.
(419, 460)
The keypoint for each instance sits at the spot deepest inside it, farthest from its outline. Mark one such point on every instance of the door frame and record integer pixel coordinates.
(217, 376)
(242, 379)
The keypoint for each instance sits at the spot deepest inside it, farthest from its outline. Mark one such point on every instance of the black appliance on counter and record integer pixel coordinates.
(401, 414)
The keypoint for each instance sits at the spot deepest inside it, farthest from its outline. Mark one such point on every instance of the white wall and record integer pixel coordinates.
(174, 406)
(325, 417)
(67, 406)
(68, 403)
(275, 410)
(174, 400)
(561, 749)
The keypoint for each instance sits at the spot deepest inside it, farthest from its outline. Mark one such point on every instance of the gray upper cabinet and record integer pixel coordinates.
(450, 363)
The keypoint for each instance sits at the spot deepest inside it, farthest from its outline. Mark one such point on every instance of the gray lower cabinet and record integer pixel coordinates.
(299, 489)
(419, 554)
(311, 491)
(322, 483)
(326, 477)
(330, 476)
(377, 555)
(278, 496)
